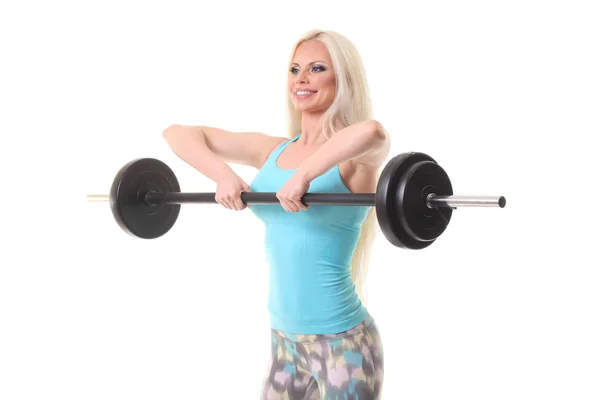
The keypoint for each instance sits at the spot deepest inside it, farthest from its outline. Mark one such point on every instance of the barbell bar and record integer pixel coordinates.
(338, 199)
(413, 200)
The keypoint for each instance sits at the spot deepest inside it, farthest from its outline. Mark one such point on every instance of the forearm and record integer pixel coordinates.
(189, 144)
(347, 144)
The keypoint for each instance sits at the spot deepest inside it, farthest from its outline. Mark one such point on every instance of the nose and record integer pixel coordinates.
(302, 77)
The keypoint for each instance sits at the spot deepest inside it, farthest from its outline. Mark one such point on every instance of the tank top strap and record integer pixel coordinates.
(279, 149)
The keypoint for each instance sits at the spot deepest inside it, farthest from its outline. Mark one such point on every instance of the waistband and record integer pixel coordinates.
(313, 338)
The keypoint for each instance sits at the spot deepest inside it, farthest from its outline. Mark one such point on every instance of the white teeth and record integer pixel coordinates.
(304, 92)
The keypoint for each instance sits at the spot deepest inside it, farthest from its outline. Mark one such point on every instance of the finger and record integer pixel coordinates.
(233, 203)
(299, 204)
(284, 205)
(239, 204)
(294, 204)
(226, 203)
(291, 206)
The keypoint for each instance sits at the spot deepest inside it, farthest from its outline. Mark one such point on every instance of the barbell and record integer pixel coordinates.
(413, 201)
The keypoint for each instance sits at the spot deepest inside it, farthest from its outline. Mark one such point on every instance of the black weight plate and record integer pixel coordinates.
(390, 221)
(127, 198)
(397, 229)
(421, 179)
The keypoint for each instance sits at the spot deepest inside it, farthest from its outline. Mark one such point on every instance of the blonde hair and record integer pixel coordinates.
(352, 104)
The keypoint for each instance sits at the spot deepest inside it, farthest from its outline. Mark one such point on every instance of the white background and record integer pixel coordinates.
(504, 95)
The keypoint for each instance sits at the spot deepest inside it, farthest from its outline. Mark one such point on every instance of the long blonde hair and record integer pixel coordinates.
(352, 104)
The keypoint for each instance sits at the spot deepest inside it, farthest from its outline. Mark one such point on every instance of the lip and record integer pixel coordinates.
(304, 96)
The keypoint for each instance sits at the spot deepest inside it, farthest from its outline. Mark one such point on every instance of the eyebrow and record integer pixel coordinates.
(314, 62)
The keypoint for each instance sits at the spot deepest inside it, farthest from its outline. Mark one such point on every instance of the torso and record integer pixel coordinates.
(311, 289)
(358, 178)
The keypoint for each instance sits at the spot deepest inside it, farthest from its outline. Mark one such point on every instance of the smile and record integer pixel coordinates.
(303, 94)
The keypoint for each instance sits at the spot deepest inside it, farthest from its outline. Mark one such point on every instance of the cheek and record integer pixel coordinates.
(330, 85)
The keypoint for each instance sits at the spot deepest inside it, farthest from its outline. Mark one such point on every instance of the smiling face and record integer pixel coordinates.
(311, 79)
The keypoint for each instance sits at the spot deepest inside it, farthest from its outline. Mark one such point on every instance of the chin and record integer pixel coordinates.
(307, 108)
(300, 107)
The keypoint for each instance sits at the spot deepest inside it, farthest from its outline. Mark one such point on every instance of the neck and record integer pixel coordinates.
(312, 130)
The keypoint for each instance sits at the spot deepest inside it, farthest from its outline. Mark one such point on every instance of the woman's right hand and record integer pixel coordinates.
(229, 192)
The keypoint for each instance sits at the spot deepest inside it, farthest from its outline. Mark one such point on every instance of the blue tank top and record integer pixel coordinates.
(309, 253)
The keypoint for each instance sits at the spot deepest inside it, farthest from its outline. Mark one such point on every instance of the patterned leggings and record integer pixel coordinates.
(342, 366)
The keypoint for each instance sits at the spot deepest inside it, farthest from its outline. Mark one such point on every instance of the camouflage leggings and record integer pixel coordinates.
(342, 366)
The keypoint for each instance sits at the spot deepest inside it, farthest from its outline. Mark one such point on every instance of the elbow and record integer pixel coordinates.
(377, 131)
(171, 131)
(177, 133)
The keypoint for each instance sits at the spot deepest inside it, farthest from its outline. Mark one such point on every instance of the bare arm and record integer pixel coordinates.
(209, 149)
(365, 143)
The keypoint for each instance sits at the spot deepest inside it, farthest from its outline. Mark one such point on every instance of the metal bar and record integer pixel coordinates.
(97, 198)
(434, 201)
(341, 199)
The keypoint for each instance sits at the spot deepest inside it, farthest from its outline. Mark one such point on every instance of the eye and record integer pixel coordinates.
(294, 70)
(318, 68)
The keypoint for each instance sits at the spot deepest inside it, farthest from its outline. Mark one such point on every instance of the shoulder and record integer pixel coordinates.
(269, 145)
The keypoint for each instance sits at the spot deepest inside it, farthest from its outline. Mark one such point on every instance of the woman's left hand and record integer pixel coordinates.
(291, 193)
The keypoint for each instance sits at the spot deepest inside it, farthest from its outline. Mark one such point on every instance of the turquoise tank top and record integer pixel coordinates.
(309, 253)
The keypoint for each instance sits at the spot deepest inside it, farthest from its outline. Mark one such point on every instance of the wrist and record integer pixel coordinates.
(223, 173)
(305, 173)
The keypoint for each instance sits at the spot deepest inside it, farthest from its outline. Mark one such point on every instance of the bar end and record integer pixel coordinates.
(502, 201)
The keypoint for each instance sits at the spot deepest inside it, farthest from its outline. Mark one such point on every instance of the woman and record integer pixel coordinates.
(325, 344)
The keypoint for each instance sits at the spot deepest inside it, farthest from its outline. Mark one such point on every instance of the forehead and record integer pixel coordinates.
(309, 51)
